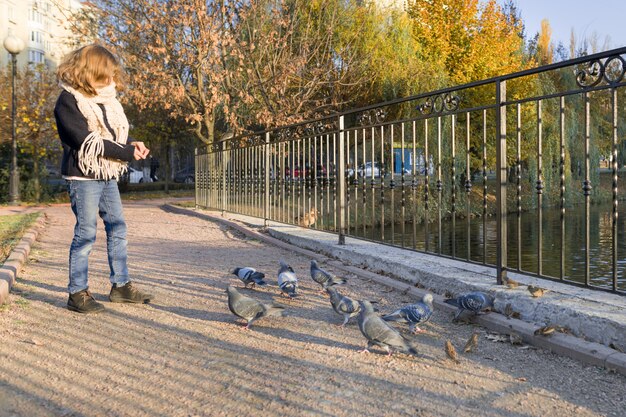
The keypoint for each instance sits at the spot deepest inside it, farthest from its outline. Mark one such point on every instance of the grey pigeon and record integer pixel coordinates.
(324, 278)
(343, 305)
(287, 280)
(379, 333)
(248, 308)
(473, 301)
(249, 276)
(413, 314)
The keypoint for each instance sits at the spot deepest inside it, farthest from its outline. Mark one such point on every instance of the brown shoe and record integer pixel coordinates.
(83, 302)
(127, 293)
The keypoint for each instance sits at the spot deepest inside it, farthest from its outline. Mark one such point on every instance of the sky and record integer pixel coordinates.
(605, 17)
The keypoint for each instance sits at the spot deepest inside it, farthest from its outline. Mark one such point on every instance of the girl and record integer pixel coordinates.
(93, 129)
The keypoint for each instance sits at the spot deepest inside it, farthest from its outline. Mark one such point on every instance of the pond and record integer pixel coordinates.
(532, 247)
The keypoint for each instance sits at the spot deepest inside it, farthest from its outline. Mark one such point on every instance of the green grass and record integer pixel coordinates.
(21, 302)
(12, 229)
(137, 193)
(186, 204)
(150, 195)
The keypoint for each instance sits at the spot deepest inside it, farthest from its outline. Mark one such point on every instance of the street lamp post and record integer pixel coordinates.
(14, 45)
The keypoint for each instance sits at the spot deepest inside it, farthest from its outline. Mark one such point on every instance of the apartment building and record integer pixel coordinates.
(42, 25)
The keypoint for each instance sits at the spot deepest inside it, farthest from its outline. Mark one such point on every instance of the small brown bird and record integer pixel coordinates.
(536, 291)
(511, 283)
(471, 344)
(508, 311)
(515, 338)
(545, 330)
(562, 329)
(451, 352)
(308, 219)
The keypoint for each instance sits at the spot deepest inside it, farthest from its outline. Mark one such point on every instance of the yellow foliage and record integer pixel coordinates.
(545, 48)
(468, 39)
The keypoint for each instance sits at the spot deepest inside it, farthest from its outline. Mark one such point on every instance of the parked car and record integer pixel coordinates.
(135, 175)
(298, 172)
(303, 172)
(321, 171)
(186, 175)
(54, 178)
(366, 170)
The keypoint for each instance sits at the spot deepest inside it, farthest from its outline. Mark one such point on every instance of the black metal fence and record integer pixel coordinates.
(520, 172)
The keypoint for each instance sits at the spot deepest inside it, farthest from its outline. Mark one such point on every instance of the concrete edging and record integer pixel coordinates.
(591, 353)
(10, 269)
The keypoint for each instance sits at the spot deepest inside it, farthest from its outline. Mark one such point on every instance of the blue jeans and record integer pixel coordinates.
(90, 199)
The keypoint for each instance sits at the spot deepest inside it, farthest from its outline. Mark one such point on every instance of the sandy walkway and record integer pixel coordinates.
(184, 355)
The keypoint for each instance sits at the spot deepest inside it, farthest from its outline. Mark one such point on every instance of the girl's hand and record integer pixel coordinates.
(141, 152)
(138, 155)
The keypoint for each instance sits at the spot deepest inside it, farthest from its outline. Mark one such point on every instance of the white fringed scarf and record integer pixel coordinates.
(91, 153)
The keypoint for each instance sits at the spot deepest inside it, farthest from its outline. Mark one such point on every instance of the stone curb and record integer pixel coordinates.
(573, 347)
(11, 268)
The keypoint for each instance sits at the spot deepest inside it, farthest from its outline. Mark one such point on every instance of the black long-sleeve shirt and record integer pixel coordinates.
(73, 129)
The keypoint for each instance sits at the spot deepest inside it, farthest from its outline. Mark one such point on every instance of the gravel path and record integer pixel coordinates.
(184, 354)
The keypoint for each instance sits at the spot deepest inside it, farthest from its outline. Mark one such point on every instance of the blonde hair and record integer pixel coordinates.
(89, 65)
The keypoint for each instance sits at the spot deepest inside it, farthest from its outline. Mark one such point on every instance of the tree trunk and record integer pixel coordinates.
(168, 166)
(211, 130)
(36, 184)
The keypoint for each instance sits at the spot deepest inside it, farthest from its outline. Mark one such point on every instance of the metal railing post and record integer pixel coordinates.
(266, 210)
(224, 182)
(341, 189)
(195, 175)
(501, 177)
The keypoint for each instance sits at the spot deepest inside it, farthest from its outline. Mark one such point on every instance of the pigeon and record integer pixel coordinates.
(473, 301)
(413, 314)
(287, 280)
(324, 278)
(379, 333)
(451, 351)
(249, 276)
(248, 308)
(343, 305)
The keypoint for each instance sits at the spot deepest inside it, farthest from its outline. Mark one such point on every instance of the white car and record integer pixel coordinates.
(367, 170)
(135, 175)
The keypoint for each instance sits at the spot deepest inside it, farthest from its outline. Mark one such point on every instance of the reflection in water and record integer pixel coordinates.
(455, 242)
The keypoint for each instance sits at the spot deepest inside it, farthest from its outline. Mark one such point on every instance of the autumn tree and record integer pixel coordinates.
(545, 48)
(36, 93)
(299, 60)
(173, 51)
(391, 57)
(235, 65)
(468, 39)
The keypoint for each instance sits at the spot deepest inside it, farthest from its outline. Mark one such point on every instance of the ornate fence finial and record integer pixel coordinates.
(446, 102)
(369, 117)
